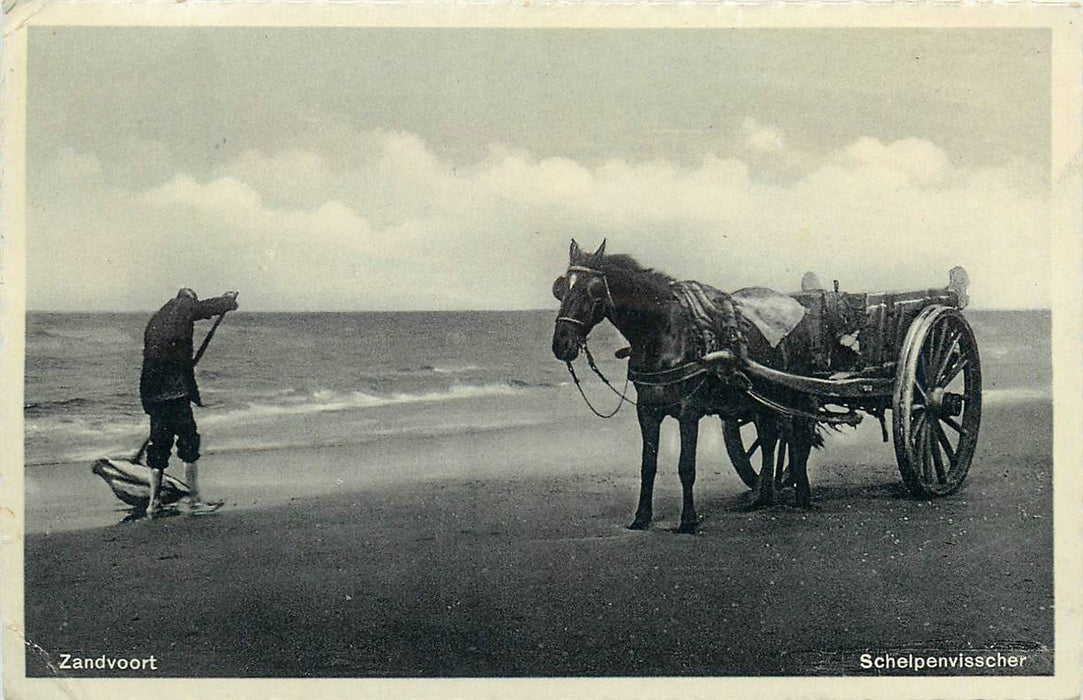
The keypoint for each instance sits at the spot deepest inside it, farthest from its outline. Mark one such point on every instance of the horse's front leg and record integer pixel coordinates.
(686, 468)
(650, 422)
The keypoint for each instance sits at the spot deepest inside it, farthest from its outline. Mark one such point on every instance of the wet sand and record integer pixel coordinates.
(504, 553)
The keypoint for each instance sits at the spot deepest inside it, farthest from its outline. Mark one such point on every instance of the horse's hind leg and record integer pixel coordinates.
(767, 429)
(783, 471)
(800, 448)
(650, 422)
(686, 468)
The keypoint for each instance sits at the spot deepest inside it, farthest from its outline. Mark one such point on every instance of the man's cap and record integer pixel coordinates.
(187, 292)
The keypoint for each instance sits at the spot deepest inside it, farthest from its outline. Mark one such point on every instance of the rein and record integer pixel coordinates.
(623, 394)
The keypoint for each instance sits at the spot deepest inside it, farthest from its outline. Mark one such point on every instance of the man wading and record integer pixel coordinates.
(168, 388)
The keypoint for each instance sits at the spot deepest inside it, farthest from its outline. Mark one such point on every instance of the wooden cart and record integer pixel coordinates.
(911, 352)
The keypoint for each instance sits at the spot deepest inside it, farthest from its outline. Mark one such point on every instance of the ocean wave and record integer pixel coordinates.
(104, 336)
(327, 400)
(38, 408)
(451, 370)
(77, 428)
(416, 370)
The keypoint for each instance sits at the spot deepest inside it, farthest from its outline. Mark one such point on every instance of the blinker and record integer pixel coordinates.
(560, 287)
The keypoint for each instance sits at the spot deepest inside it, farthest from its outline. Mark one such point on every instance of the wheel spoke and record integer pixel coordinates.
(941, 335)
(921, 390)
(923, 454)
(953, 425)
(753, 447)
(942, 341)
(938, 462)
(928, 356)
(953, 371)
(916, 425)
(945, 359)
(945, 443)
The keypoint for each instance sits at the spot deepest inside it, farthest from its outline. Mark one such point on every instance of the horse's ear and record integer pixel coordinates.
(601, 250)
(574, 251)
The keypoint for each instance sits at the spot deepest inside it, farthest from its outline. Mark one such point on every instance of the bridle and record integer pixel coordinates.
(610, 306)
(608, 301)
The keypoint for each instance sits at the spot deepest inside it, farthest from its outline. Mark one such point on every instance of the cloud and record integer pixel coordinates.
(762, 137)
(767, 150)
(396, 225)
(909, 161)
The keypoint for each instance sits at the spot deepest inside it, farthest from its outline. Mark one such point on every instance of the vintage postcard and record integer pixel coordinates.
(541, 350)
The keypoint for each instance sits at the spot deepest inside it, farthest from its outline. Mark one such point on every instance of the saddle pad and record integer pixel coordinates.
(774, 314)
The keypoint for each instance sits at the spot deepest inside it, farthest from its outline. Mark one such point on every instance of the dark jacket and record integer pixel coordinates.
(168, 370)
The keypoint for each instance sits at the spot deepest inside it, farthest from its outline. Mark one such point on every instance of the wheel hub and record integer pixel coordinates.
(945, 403)
(952, 405)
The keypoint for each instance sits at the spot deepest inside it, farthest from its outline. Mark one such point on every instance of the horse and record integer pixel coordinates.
(666, 348)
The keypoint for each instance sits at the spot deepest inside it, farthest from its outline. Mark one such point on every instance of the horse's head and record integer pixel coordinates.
(584, 298)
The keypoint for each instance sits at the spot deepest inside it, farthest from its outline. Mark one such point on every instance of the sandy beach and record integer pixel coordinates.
(504, 553)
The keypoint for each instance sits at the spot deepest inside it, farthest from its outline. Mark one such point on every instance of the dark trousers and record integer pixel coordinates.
(169, 419)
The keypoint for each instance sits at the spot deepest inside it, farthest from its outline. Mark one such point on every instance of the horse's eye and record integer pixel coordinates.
(560, 287)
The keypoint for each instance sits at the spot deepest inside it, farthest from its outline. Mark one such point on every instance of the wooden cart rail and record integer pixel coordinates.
(842, 389)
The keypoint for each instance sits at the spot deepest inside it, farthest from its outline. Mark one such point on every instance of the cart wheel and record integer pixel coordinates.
(937, 403)
(738, 433)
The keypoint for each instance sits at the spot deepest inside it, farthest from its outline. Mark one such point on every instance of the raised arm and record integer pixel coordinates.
(215, 306)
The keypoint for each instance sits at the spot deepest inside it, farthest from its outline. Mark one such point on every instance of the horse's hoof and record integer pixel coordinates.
(638, 524)
(687, 528)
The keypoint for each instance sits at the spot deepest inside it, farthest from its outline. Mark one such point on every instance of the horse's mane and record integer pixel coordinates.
(645, 282)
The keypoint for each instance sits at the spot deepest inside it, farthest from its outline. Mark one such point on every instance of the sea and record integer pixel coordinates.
(288, 380)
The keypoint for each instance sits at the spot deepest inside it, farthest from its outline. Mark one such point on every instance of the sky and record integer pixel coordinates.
(398, 169)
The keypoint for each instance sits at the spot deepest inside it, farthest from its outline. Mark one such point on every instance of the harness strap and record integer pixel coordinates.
(667, 376)
(820, 416)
